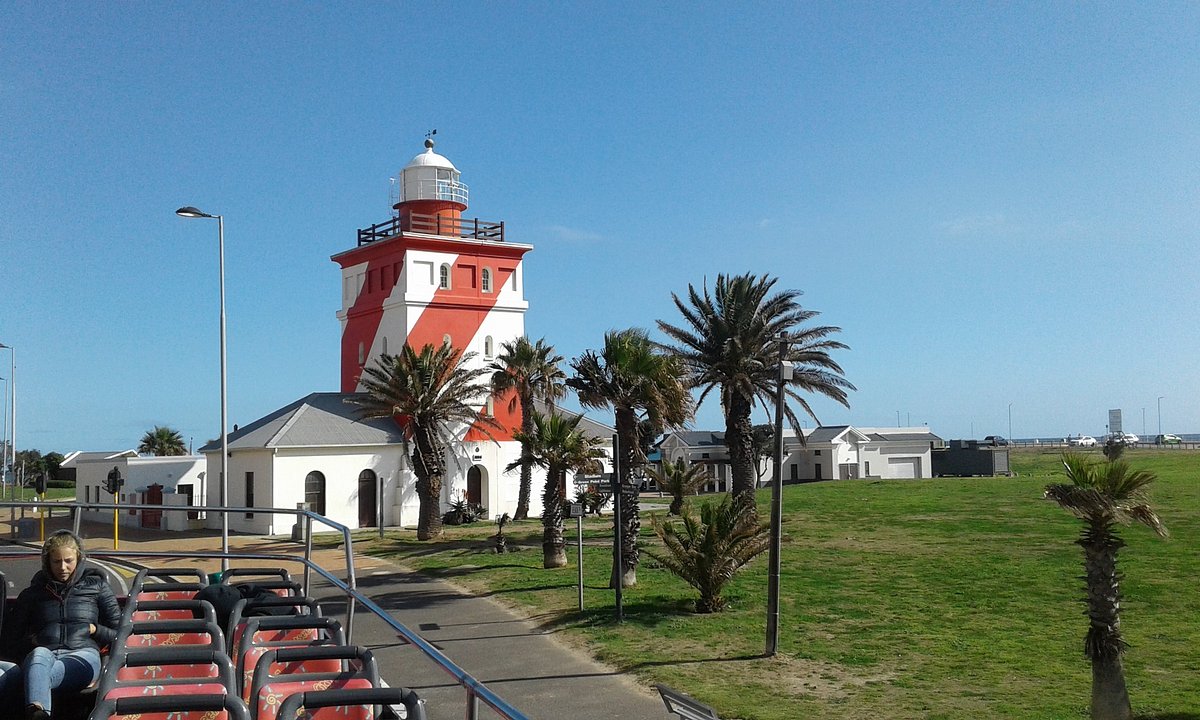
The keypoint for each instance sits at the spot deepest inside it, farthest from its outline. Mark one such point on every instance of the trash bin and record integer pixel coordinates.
(26, 528)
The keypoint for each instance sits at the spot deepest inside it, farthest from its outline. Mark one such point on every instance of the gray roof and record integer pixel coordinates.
(699, 438)
(825, 433)
(589, 426)
(80, 456)
(320, 419)
(904, 436)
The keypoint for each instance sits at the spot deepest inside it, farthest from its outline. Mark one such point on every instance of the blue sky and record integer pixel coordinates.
(997, 203)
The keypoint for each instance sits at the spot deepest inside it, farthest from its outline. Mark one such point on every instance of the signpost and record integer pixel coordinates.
(113, 484)
(576, 511)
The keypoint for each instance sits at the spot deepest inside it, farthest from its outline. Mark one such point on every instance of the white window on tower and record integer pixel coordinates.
(487, 346)
(444, 277)
(485, 280)
(362, 356)
(384, 345)
(446, 340)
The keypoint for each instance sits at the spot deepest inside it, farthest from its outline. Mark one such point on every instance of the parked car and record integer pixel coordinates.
(1127, 438)
(1167, 439)
(1082, 441)
(995, 440)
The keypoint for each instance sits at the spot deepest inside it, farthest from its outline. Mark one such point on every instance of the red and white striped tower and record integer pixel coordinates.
(429, 275)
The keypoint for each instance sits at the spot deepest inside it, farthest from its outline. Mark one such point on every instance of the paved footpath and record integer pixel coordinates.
(529, 668)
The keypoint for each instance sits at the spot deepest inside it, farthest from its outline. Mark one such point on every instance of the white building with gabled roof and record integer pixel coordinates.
(838, 452)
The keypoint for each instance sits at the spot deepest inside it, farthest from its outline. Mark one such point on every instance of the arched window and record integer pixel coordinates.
(485, 280)
(446, 339)
(444, 277)
(362, 356)
(385, 344)
(314, 492)
(490, 407)
(487, 346)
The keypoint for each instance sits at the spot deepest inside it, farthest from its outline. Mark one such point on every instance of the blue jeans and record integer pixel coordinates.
(66, 670)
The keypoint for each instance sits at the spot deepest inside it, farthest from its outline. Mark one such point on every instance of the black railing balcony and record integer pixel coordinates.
(473, 228)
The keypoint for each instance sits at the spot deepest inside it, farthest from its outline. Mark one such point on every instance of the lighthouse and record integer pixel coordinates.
(429, 275)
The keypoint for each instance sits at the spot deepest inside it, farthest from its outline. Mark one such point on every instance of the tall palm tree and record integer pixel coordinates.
(679, 479)
(729, 342)
(1103, 496)
(557, 444)
(706, 553)
(528, 371)
(634, 379)
(162, 441)
(433, 394)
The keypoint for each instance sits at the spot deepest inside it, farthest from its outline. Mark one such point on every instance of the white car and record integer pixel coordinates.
(1082, 441)
(1127, 438)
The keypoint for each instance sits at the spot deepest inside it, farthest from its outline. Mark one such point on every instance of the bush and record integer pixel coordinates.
(463, 512)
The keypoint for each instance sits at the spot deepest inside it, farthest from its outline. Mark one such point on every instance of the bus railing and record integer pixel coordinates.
(476, 692)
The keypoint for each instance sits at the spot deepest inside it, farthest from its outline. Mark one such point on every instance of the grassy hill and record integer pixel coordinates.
(945, 598)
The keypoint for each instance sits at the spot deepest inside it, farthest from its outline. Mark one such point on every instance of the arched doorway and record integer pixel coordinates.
(314, 492)
(475, 485)
(367, 508)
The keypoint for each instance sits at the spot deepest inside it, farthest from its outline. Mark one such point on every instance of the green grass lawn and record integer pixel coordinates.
(946, 598)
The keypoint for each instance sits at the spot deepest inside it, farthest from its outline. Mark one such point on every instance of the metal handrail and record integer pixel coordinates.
(476, 691)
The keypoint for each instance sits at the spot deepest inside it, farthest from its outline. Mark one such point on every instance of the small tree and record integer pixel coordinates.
(557, 444)
(1102, 496)
(162, 441)
(705, 553)
(680, 480)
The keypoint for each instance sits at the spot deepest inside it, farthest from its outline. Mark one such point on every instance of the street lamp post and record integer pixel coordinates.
(1010, 435)
(3, 438)
(11, 458)
(773, 561)
(191, 212)
(1160, 399)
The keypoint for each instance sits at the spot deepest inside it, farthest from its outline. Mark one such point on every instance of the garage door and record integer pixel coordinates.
(904, 467)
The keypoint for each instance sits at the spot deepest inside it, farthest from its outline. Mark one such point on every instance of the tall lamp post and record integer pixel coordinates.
(1010, 435)
(11, 458)
(191, 212)
(1160, 399)
(3, 438)
(773, 561)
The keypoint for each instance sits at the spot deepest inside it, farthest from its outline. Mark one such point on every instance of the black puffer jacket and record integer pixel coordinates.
(57, 615)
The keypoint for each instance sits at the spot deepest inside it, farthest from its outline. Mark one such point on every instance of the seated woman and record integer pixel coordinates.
(60, 623)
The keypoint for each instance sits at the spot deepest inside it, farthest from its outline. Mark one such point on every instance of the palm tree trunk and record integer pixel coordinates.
(1104, 646)
(1110, 699)
(429, 467)
(526, 486)
(740, 441)
(554, 554)
(630, 520)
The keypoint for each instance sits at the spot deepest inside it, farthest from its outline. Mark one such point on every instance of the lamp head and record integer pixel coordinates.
(191, 212)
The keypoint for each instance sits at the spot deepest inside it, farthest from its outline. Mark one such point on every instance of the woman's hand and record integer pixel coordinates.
(91, 629)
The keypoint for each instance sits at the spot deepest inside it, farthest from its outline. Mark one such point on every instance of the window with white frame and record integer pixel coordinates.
(485, 280)
(444, 276)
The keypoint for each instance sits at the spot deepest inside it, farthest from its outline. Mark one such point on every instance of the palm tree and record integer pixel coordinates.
(1102, 496)
(634, 379)
(162, 441)
(730, 341)
(707, 552)
(679, 479)
(528, 372)
(433, 395)
(557, 444)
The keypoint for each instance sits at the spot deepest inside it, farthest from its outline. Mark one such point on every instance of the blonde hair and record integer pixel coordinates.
(61, 539)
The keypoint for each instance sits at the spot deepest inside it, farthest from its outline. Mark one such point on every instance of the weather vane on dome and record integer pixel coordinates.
(429, 138)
